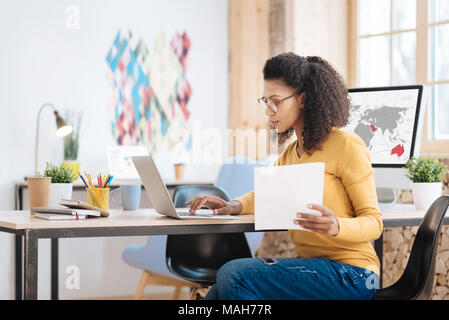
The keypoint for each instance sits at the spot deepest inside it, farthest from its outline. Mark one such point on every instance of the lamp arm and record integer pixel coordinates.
(36, 146)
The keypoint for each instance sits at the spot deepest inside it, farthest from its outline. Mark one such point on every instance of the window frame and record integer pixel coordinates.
(430, 144)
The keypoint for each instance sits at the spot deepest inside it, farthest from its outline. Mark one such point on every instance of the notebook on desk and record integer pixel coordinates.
(55, 216)
(77, 204)
(58, 213)
(67, 211)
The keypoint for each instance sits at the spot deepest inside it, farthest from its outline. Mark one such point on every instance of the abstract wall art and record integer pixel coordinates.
(151, 92)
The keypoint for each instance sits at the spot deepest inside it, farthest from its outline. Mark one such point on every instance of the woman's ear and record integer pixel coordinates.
(301, 97)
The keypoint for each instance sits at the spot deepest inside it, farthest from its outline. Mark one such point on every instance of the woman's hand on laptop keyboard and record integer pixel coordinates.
(219, 206)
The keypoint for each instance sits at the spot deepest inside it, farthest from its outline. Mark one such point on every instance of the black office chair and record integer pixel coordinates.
(416, 283)
(197, 257)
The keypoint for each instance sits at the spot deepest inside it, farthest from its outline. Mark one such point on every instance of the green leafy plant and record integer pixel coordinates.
(71, 141)
(59, 174)
(425, 170)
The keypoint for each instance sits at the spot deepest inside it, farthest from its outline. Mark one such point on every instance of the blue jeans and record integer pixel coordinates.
(292, 278)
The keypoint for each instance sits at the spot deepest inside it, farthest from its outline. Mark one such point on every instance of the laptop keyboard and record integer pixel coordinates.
(202, 213)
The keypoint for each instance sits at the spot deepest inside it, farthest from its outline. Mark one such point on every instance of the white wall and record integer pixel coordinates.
(41, 60)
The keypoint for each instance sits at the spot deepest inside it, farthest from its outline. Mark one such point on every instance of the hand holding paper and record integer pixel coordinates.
(283, 191)
(326, 225)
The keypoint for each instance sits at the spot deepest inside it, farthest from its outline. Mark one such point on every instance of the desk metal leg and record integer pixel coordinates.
(54, 268)
(19, 274)
(19, 246)
(379, 247)
(30, 264)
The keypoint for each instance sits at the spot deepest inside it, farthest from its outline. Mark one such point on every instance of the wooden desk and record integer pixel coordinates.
(138, 223)
(78, 186)
(120, 223)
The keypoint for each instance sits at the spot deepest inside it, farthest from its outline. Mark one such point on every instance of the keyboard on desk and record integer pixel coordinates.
(184, 212)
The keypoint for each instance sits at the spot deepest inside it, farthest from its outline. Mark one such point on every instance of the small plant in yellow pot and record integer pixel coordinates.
(426, 175)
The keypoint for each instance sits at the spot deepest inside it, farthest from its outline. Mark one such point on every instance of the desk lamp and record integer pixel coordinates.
(62, 129)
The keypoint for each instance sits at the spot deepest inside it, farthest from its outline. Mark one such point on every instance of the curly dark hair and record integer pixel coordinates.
(327, 102)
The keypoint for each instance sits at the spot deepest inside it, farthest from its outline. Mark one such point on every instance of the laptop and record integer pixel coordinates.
(159, 196)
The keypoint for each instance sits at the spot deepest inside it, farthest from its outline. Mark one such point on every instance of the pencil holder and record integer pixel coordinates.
(98, 197)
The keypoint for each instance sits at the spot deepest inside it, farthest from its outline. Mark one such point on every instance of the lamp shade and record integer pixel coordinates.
(62, 128)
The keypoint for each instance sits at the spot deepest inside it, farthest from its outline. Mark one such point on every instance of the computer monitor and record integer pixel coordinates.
(389, 120)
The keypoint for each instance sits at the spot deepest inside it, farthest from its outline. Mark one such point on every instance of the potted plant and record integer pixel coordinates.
(426, 175)
(71, 143)
(61, 182)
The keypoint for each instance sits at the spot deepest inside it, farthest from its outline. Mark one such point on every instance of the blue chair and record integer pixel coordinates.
(236, 177)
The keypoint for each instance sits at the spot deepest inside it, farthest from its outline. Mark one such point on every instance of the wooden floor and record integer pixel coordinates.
(185, 295)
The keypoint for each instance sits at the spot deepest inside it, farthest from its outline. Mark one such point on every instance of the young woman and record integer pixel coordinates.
(306, 96)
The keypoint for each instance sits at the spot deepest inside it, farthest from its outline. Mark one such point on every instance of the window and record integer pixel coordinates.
(439, 67)
(390, 35)
(386, 42)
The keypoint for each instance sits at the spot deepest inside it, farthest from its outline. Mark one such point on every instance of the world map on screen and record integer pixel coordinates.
(385, 120)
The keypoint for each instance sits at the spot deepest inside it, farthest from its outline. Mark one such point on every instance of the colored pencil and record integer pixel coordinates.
(82, 179)
(106, 179)
(90, 180)
(109, 181)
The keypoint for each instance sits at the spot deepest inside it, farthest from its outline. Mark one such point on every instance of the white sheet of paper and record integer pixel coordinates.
(282, 191)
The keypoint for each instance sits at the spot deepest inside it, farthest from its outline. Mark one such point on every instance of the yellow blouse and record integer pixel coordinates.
(349, 191)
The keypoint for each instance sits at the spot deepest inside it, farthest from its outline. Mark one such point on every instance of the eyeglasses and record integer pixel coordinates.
(273, 105)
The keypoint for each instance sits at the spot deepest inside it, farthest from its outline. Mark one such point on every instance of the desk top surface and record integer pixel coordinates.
(18, 220)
